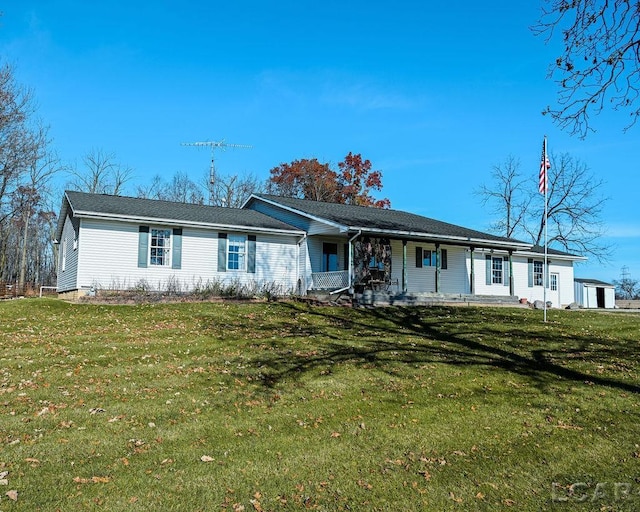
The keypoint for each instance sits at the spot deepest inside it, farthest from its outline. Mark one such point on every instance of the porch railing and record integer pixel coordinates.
(330, 280)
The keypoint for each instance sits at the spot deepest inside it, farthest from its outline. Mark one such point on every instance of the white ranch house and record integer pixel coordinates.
(297, 245)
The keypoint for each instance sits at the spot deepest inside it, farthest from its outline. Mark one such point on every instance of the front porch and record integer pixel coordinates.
(410, 270)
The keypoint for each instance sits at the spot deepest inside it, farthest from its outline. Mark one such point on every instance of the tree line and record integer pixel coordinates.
(599, 67)
(29, 203)
(30, 170)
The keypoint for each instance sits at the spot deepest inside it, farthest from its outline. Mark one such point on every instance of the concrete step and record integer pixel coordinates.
(380, 298)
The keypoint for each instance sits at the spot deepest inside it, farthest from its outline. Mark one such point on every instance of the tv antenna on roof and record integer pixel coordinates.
(212, 171)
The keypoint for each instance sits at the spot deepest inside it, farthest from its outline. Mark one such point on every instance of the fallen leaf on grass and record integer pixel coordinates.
(425, 474)
(92, 480)
(454, 498)
(206, 458)
(365, 485)
(335, 434)
(12, 495)
(256, 505)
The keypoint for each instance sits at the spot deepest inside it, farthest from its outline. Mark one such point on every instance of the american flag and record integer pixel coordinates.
(544, 167)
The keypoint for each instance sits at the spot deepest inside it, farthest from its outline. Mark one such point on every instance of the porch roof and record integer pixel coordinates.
(388, 222)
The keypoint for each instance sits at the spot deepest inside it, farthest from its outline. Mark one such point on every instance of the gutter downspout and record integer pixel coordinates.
(298, 279)
(351, 240)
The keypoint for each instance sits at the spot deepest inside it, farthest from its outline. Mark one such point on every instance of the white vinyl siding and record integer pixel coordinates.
(67, 278)
(563, 268)
(312, 227)
(480, 270)
(110, 248)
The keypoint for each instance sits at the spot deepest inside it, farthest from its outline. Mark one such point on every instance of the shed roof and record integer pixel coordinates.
(594, 282)
(135, 209)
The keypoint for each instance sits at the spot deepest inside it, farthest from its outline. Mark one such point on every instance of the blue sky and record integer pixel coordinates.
(434, 94)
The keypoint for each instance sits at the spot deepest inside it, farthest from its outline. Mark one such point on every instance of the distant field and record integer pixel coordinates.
(284, 406)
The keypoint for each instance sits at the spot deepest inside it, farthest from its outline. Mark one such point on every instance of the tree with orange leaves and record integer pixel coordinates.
(356, 180)
(310, 179)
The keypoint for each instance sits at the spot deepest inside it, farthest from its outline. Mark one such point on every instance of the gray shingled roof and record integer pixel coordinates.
(363, 217)
(101, 205)
(553, 252)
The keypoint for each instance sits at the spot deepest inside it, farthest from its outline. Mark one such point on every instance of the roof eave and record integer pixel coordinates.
(567, 257)
(458, 240)
(64, 210)
(178, 222)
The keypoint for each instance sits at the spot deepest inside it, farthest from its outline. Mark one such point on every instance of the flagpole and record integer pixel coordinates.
(546, 213)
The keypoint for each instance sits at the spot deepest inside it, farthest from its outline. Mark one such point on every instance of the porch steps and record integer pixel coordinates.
(381, 298)
(325, 298)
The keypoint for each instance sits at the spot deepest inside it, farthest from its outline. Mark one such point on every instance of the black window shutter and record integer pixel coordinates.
(418, 257)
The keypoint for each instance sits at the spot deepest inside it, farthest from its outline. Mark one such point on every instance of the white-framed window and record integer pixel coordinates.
(538, 273)
(236, 252)
(497, 273)
(553, 282)
(428, 258)
(160, 247)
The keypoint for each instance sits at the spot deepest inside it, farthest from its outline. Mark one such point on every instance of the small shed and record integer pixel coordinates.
(591, 293)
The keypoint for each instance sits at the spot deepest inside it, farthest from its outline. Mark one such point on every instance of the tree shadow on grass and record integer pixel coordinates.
(383, 337)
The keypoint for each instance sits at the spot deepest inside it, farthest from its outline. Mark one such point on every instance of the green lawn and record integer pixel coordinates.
(285, 406)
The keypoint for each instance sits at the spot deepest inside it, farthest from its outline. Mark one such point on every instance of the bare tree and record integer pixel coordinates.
(574, 207)
(152, 190)
(600, 62)
(181, 189)
(31, 201)
(102, 174)
(230, 191)
(627, 288)
(20, 144)
(25, 169)
(507, 197)
(233, 190)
